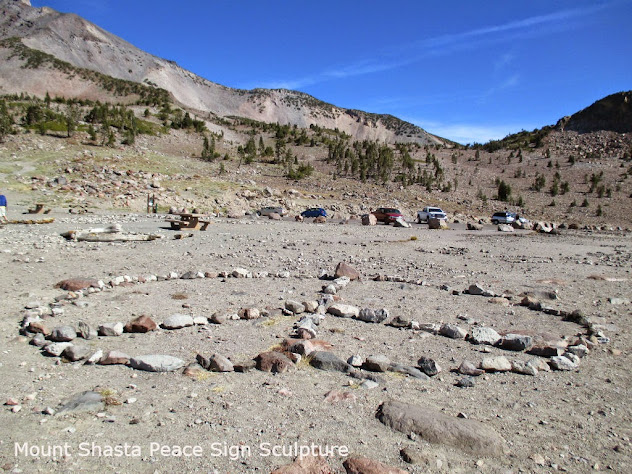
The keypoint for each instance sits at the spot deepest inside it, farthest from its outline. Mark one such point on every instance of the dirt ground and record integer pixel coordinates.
(574, 421)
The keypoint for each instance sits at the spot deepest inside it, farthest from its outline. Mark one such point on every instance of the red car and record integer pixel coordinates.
(386, 214)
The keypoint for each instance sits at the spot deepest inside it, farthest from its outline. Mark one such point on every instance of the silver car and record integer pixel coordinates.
(266, 211)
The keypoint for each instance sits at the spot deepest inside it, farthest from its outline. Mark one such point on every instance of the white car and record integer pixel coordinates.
(430, 212)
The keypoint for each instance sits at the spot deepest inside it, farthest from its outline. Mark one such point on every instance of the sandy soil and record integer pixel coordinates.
(575, 421)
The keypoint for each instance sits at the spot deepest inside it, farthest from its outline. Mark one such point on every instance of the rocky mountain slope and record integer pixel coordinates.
(612, 113)
(82, 44)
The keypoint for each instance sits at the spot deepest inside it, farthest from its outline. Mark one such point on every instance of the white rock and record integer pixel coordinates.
(178, 321)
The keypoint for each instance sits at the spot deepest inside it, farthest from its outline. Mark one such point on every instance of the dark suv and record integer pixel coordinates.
(387, 215)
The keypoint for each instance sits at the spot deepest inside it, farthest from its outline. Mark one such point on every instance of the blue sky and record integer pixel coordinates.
(465, 70)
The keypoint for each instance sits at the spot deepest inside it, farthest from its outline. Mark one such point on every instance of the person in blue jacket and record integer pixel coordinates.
(3, 208)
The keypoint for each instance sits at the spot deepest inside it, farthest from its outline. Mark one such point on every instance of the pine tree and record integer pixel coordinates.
(6, 122)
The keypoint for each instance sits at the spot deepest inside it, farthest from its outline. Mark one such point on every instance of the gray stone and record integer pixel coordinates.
(63, 334)
(407, 370)
(400, 322)
(241, 273)
(95, 357)
(355, 361)
(619, 301)
(177, 321)
(249, 313)
(39, 340)
(86, 331)
(373, 315)
(156, 363)
(428, 366)
(524, 368)
(572, 357)
(435, 427)
(200, 320)
(580, 350)
(465, 382)
(474, 226)
(218, 318)
(496, 364)
(476, 289)
(369, 384)
(561, 363)
(310, 306)
(85, 401)
(111, 329)
(219, 363)
(343, 310)
(294, 306)
(378, 363)
(452, 331)
(56, 348)
(505, 228)
(324, 360)
(75, 353)
(516, 342)
(468, 368)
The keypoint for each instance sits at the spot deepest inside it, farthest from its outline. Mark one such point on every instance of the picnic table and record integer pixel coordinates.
(188, 220)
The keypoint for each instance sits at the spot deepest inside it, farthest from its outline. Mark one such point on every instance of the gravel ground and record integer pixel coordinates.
(577, 420)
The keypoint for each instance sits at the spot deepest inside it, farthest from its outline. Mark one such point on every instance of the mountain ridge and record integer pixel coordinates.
(83, 44)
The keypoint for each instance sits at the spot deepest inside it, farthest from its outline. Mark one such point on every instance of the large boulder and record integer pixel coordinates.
(369, 219)
(436, 427)
(434, 223)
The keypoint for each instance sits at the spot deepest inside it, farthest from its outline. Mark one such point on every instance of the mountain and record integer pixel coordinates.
(612, 113)
(83, 45)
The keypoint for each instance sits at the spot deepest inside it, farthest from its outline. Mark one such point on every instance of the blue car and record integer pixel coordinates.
(314, 212)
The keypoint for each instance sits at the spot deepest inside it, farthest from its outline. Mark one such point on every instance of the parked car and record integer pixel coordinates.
(428, 212)
(387, 214)
(314, 212)
(504, 217)
(266, 211)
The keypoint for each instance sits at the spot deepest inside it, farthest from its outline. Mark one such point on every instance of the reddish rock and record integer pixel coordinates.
(334, 396)
(113, 358)
(39, 327)
(141, 324)
(344, 269)
(273, 362)
(306, 465)
(320, 220)
(76, 284)
(361, 465)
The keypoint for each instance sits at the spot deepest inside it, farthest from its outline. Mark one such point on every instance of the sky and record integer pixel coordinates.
(469, 71)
